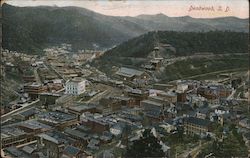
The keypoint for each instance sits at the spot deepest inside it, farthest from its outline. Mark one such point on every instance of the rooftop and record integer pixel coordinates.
(128, 72)
(29, 112)
(13, 151)
(197, 121)
(57, 137)
(71, 150)
(151, 102)
(33, 124)
(77, 80)
(56, 117)
(76, 133)
(80, 108)
(11, 132)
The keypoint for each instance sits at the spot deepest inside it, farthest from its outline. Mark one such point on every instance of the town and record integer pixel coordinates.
(124, 79)
(64, 107)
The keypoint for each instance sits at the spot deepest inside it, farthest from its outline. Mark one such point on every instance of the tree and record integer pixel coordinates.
(147, 146)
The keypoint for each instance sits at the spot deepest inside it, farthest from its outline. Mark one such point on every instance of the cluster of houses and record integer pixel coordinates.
(81, 130)
(62, 125)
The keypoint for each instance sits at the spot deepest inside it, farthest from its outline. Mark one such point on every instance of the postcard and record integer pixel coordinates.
(125, 79)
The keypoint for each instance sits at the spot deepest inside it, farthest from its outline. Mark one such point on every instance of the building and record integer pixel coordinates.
(126, 101)
(13, 136)
(80, 109)
(164, 87)
(137, 94)
(169, 96)
(48, 99)
(193, 125)
(65, 100)
(21, 133)
(129, 74)
(156, 63)
(109, 105)
(15, 152)
(34, 89)
(214, 91)
(154, 109)
(54, 143)
(34, 127)
(58, 119)
(79, 135)
(75, 86)
(182, 87)
(26, 115)
(181, 97)
(73, 152)
(28, 79)
(95, 122)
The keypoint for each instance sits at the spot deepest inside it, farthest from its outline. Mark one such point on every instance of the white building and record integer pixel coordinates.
(75, 86)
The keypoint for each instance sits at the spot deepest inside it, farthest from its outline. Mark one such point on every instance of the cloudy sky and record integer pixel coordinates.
(238, 8)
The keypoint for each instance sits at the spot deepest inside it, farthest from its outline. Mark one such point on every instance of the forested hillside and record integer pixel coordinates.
(31, 29)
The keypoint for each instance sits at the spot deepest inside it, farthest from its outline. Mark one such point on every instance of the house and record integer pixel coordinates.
(75, 86)
(193, 125)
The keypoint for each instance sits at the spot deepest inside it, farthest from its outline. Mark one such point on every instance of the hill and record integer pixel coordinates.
(185, 43)
(187, 23)
(138, 51)
(31, 29)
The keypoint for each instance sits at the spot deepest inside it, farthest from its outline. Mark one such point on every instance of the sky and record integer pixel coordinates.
(172, 8)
